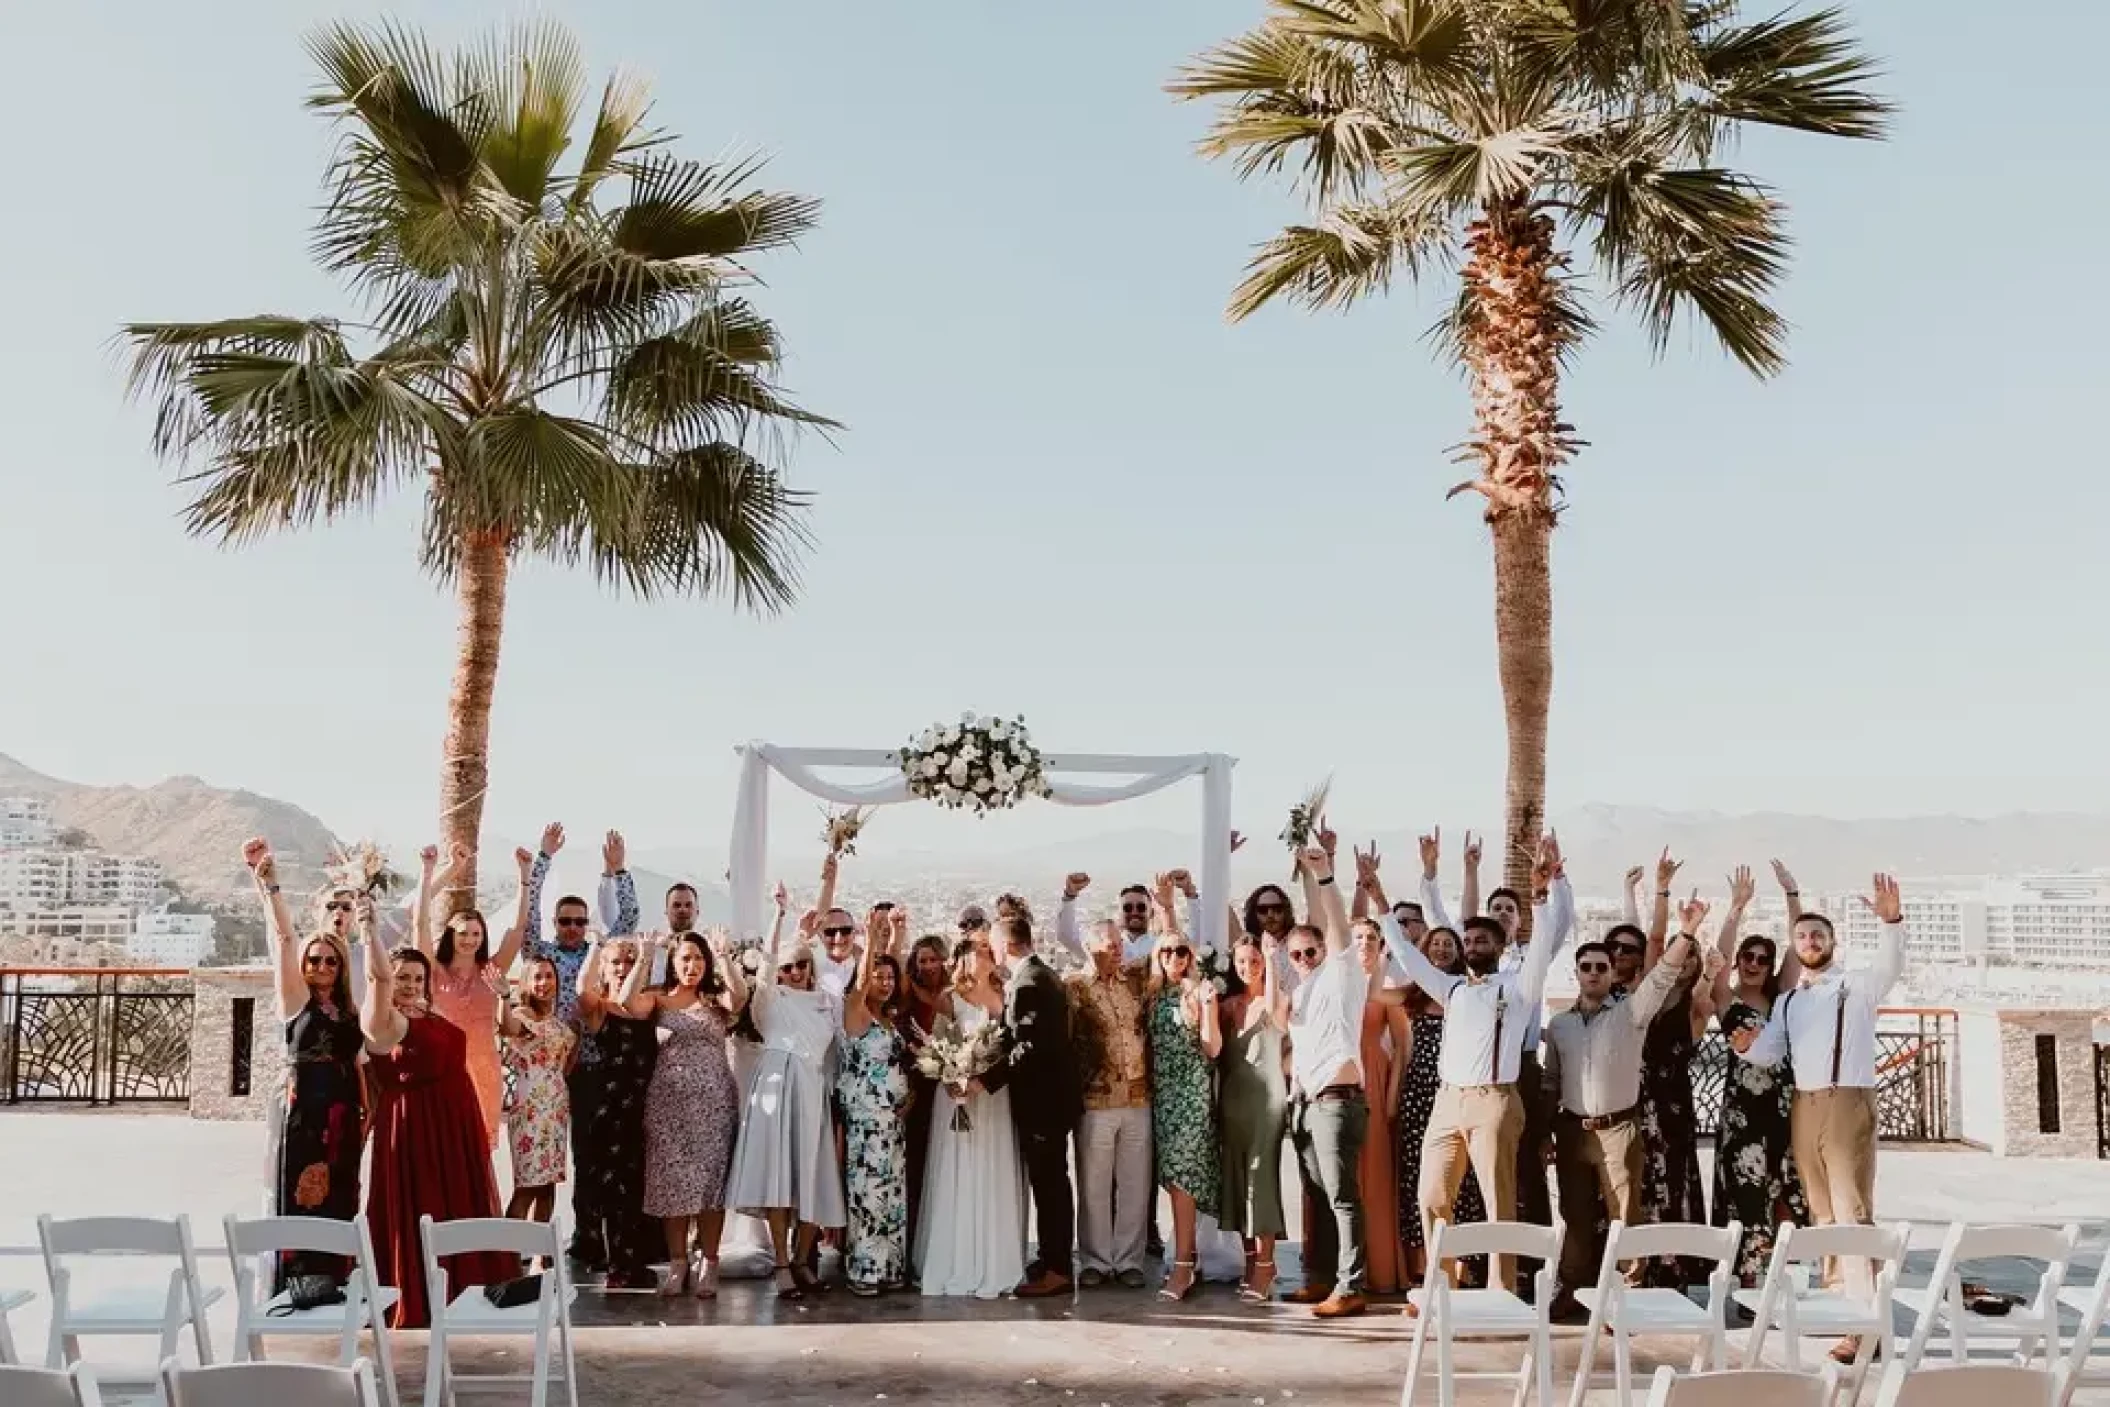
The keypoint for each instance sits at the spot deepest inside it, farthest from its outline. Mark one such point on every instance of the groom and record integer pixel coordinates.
(1046, 1100)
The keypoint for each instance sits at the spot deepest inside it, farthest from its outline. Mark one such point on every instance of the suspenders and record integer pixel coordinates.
(1838, 1028)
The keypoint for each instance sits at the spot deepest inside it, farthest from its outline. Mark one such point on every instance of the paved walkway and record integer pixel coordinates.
(1119, 1348)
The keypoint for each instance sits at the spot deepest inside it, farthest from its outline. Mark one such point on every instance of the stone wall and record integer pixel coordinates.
(2021, 1133)
(212, 1095)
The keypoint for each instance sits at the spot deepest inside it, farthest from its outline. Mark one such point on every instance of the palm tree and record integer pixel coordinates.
(560, 359)
(1497, 139)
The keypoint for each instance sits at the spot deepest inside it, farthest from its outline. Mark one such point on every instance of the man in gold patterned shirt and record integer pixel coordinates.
(1114, 1191)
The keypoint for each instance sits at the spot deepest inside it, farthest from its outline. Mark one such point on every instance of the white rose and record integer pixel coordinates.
(968, 751)
(999, 731)
(957, 772)
(930, 767)
(981, 784)
(984, 723)
(967, 719)
(949, 736)
(929, 739)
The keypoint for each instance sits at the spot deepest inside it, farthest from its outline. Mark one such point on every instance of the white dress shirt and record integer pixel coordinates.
(1509, 1001)
(1595, 1056)
(1326, 1020)
(833, 976)
(1513, 954)
(1833, 1011)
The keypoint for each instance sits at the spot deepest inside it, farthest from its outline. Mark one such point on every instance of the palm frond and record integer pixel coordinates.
(1351, 253)
(1417, 38)
(619, 133)
(706, 380)
(1296, 100)
(1447, 177)
(528, 82)
(711, 519)
(698, 210)
(1804, 73)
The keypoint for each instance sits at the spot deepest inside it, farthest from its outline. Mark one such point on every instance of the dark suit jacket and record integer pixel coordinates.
(1038, 1065)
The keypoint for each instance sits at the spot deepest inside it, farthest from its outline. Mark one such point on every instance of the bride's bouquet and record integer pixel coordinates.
(1304, 822)
(952, 1057)
(363, 867)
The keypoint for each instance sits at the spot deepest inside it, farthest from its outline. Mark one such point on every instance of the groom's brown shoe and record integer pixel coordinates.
(1341, 1307)
(1045, 1285)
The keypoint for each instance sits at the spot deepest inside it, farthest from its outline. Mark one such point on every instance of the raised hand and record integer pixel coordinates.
(363, 912)
(898, 919)
(1550, 863)
(1472, 851)
(1741, 887)
(459, 857)
(1711, 964)
(1691, 914)
(1184, 882)
(1785, 880)
(1888, 907)
(1317, 863)
(1666, 869)
(552, 838)
(1161, 889)
(614, 853)
(1271, 945)
(1634, 875)
(1328, 841)
(1237, 842)
(1366, 865)
(1431, 852)
(877, 925)
(524, 858)
(809, 923)
(429, 859)
(256, 854)
(1076, 883)
(783, 898)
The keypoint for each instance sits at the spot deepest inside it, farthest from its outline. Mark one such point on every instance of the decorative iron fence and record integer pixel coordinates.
(1915, 1061)
(94, 1035)
(2102, 1101)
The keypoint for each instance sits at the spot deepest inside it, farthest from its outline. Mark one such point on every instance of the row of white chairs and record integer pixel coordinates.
(222, 1385)
(1949, 1385)
(1788, 1303)
(171, 1309)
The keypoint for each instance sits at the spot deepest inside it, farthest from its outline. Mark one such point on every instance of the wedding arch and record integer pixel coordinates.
(796, 765)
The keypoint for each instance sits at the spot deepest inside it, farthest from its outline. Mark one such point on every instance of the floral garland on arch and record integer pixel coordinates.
(977, 764)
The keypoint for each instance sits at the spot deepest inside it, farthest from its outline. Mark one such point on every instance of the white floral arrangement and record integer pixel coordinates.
(363, 867)
(1215, 969)
(843, 827)
(951, 1056)
(977, 764)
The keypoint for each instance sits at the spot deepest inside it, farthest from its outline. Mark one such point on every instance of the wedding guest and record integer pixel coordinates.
(1594, 1065)
(1479, 1115)
(1267, 913)
(1671, 1190)
(1115, 1185)
(835, 962)
(1185, 1039)
(873, 1091)
(1755, 1182)
(1825, 1031)
(1039, 1066)
(613, 1124)
(928, 992)
(692, 1108)
(1329, 1111)
(1383, 1056)
(1417, 1101)
(320, 1145)
(1533, 1202)
(784, 1163)
(1137, 936)
(429, 1155)
(539, 1050)
(466, 973)
(970, 1234)
(1253, 1110)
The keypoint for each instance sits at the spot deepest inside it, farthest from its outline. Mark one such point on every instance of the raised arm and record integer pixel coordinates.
(1067, 929)
(1767, 1047)
(538, 877)
(1212, 1020)
(1889, 965)
(509, 946)
(1630, 903)
(1551, 919)
(285, 947)
(618, 891)
(1469, 894)
(1659, 916)
(1319, 866)
(1741, 890)
(1167, 919)
(379, 1021)
(737, 993)
(1273, 995)
(1424, 974)
(430, 875)
(1649, 999)
(1432, 906)
(831, 868)
(639, 1000)
(593, 998)
(1790, 960)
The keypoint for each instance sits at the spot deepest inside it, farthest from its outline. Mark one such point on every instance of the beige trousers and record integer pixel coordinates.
(1834, 1136)
(1599, 1171)
(1478, 1127)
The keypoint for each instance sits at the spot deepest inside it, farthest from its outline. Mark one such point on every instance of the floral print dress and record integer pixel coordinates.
(873, 1092)
(1182, 1109)
(1755, 1181)
(538, 1112)
(1670, 1126)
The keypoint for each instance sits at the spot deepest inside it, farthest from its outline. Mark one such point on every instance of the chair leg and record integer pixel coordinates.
(571, 1365)
(1589, 1357)
(384, 1367)
(1524, 1375)
(435, 1364)
(1623, 1367)
(1542, 1361)
(7, 1341)
(539, 1393)
(1421, 1338)
(1446, 1368)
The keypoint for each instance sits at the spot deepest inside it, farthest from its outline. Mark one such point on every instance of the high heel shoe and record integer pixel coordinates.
(676, 1282)
(1168, 1293)
(705, 1278)
(1256, 1290)
(790, 1291)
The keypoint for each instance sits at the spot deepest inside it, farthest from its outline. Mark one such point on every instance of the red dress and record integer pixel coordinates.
(429, 1160)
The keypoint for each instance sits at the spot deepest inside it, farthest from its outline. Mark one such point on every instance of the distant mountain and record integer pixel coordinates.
(194, 829)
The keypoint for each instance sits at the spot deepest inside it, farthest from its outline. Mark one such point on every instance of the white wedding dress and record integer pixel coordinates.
(971, 1226)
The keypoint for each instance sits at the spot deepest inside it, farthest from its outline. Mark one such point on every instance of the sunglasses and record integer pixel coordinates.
(1628, 950)
(338, 906)
(1177, 952)
(1755, 955)
(1303, 954)
(571, 922)
(1135, 908)
(1593, 967)
(843, 932)
(320, 960)
(968, 925)
(1270, 908)
(797, 965)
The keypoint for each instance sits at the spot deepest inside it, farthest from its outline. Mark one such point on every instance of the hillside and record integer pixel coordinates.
(194, 829)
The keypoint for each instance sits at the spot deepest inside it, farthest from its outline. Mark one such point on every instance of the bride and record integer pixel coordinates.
(971, 1227)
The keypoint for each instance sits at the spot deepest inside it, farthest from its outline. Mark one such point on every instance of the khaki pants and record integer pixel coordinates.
(1600, 1176)
(1834, 1136)
(1480, 1127)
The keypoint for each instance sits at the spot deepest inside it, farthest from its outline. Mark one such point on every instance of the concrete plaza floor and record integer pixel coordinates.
(1114, 1347)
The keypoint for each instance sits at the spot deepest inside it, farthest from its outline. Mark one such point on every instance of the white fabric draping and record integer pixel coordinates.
(750, 848)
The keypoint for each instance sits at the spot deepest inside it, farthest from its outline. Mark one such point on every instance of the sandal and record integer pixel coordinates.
(706, 1279)
(1257, 1290)
(791, 1291)
(1175, 1296)
(676, 1281)
(807, 1281)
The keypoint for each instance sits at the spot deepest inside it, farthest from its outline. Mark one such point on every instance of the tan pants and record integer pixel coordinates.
(1599, 1171)
(1834, 1136)
(1478, 1127)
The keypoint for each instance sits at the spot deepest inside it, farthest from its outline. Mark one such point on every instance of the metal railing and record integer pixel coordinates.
(111, 1035)
(1915, 1061)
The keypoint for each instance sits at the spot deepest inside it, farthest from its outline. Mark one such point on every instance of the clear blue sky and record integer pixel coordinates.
(1873, 586)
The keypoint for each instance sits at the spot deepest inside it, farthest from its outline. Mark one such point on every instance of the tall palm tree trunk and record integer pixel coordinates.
(465, 771)
(1512, 339)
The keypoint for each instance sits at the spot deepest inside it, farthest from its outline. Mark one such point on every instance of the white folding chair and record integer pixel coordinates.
(2032, 1326)
(1624, 1310)
(269, 1385)
(134, 1307)
(1788, 1303)
(22, 1386)
(2081, 1364)
(1450, 1313)
(1971, 1385)
(10, 1301)
(547, 1317)
(1744, 1387)
(252, 1245)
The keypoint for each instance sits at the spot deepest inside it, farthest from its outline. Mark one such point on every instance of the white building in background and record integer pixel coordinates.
(130, 881)
(2039, 920)
(25, 822)
(164, 939)
(88, 923)
(35, 879)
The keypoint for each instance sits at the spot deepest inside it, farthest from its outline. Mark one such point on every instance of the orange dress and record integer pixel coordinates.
(472, 1005)
(1379, 1173)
